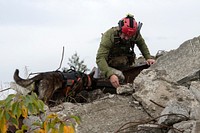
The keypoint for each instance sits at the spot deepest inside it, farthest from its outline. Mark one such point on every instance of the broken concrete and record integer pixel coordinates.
(190, 126)
(181, 62)
(157, 92)
(195, 89)
(174, 112)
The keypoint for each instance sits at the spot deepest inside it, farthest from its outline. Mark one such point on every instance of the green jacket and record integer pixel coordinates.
(107, 45)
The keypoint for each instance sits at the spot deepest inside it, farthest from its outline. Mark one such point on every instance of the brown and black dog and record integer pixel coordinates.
(67, 83)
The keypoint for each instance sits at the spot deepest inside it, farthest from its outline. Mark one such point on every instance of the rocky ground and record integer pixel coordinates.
(164, 98)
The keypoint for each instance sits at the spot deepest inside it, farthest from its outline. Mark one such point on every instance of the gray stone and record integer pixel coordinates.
(30, 120)
(186, 81)
(19, 89)
(150, 128)
(195, 89)
(181, 62)
(106, 115)
(190, 126)
(125, 89)
(195, 111)
(174, 112)
(154, 88)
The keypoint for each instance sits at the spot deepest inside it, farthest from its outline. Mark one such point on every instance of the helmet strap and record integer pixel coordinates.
(131, 22)
(121, 23)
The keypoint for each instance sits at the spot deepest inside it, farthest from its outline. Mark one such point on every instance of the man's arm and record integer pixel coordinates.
(144, 50)
(102, 54)
(140, 42)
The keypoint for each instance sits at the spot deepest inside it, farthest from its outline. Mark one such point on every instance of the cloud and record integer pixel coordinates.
(33, 32)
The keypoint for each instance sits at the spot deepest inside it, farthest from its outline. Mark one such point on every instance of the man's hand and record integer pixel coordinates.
(114, 80)
(117, 77)
(150, 61)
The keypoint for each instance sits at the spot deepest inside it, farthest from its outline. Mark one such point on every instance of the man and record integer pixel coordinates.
(116, 50)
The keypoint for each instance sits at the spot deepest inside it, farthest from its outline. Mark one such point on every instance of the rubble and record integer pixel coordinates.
(164, 98)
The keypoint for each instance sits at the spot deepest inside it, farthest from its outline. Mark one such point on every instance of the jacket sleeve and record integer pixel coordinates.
(103, 52)
(143, 47)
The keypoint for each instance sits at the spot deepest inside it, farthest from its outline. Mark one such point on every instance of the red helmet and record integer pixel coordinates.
(128, 26)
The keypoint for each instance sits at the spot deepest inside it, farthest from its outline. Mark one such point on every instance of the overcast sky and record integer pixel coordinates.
(33, 32)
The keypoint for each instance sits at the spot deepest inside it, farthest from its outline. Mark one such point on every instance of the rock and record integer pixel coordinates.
(153, 86)
(19, 89)
(195, 89)
(174, 112)
(160, 53)
(30, 120)
(150, 128)
(181, 62)
(167, 87)
(103, 115)
(195, 111)
(125, 89)
(190, 126)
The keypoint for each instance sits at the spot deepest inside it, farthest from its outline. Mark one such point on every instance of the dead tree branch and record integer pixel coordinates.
(61, 58)
(157, 104)
(5, 89)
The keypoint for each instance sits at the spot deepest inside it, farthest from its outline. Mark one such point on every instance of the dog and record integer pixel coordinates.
(66, 84)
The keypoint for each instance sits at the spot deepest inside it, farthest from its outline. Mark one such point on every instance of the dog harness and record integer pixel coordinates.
(74, 82)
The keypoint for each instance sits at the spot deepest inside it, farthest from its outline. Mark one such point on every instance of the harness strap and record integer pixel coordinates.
(70, 85)
(70, 82)
(89, 82)
(67, 90)
(73, 81)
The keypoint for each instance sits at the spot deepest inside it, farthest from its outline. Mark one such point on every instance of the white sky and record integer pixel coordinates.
(33, 32)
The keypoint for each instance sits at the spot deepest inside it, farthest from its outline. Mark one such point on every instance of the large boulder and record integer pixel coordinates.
(107, 114)
(181, 62)
(154, 89)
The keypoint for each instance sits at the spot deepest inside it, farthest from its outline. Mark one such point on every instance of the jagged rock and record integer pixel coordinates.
(186, 126)
(125, 89)
(107, 115)
(181, 62)
(195, 111)
(104, 115)
(187, 80)
(30, 120)
(195, 89)
(160, 53)
(174, 112)
(150, 128)
(154, 86)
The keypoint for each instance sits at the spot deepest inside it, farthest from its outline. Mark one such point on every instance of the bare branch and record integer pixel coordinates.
(5, 89)
(61, 59)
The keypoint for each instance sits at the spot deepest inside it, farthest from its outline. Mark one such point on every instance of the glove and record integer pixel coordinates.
(119, 74)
